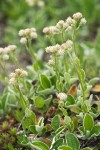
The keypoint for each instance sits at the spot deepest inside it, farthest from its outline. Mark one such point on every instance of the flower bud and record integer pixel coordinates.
(5, 57)
(23, 40)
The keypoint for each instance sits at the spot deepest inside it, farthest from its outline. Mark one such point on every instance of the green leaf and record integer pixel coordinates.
(39, 145)
(64, 147)
(32, 128)
(87, 148)
(53, 80)
(59, 130)
(88, 122)
(95, 130)
(45, 82)
(46, 91)
(30, 114)
(10, 147)
(67, 120)
(58, 143)
(94, 80)
(72, 141)
(39, 102)
(55, 122)
(70, 100)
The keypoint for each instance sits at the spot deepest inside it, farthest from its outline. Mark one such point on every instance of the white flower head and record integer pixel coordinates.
(69, 20)
(83, 21)
(12, 81)
(68, 44)
(24, 73)
(23, 40)
(21, 72)
(40, 3)
(61, 51)
(12, 75)
(21, 32)
(77, 16)
(12, 47)
(69, 29)
(33, 30)
(50, 30)
(5, 57)
(53, 49)
(27, 31)
(62, 96)
(6, 50)
(31, 2)
(51, 62)
(60, 24)
(33, 35)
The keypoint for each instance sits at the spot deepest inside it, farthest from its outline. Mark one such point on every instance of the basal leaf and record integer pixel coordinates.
(39, 145)
(39, 102)
(72, 141)
(58, 143)
(96, 130)
(64, 147)
(88, 122)
(55, 122)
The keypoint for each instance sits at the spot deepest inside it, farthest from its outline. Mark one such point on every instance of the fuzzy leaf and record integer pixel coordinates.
(88, 122)
(87, 148)
(39, 102)
(39, 145)
(45, 82)
(64, 147)
(96, 130)
(57, 143)
(72, 141)
(55, 122)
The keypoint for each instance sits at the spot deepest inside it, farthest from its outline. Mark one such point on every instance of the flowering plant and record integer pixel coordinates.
(54, 107)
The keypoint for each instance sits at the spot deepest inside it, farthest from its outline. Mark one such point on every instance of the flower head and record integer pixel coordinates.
(77, 16)
(62, 96)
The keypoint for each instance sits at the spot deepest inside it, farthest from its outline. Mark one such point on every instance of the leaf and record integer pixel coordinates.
(45, 82)
(67, 120)
(87, 148)
(30, 114)
(59, 130)
(55, 122)
(32, 128)
(10, 147)
(64, 147)
(94, 80)
(88, 122)
(72, 141)
(39, 145)
(95, 130)
(46, 91)
(70, 100)
(58, 143)
(53, 80)
(39, 102)
(75, 109)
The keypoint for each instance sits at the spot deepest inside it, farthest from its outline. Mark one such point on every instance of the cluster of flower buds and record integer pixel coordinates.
(62, 96)
(50, 30)
(59, 49)
(27, 33)
(66, 25)
(19, 73)
(5, 52)
(38, 3)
